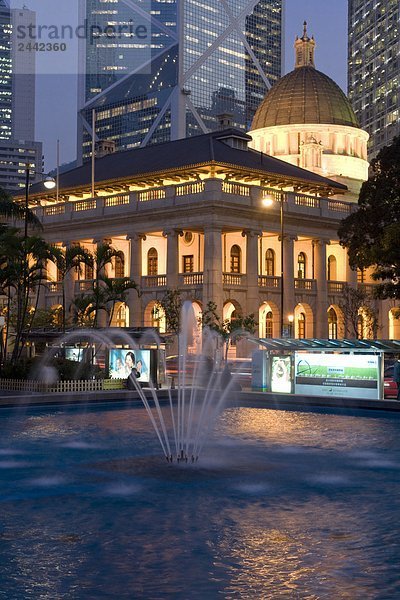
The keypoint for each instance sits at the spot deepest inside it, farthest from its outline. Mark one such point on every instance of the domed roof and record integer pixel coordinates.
(305, 95)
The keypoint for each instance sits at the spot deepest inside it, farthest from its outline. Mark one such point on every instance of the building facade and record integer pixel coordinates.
(17, 103)
(200, 226)
(374, 68)
(200, 60)
(306, 119)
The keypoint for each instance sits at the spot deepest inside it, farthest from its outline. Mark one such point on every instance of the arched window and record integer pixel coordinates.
(332, 324)
(332, 270)
(301, 266)
(152, 262)
(360, 275)
(268, 325)
(270, 262)
(302, 326)
(120, 265)
(236, 255)
(120, 316)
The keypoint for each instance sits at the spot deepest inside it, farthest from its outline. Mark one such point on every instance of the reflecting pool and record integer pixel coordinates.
(283, 504)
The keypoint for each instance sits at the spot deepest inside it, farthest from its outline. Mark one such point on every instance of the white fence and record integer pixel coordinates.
(65, 387)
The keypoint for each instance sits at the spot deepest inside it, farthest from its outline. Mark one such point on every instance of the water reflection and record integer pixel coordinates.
(284, 505)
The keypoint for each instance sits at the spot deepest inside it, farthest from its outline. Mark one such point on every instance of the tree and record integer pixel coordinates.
(372, 233)
(13, 210)
(229, 329)
(171, 303)
(65, 260)
(356, 303)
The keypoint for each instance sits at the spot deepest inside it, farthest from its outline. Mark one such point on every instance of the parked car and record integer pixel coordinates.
(389, 385)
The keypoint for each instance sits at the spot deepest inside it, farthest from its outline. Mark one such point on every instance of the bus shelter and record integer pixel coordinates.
(317, 367)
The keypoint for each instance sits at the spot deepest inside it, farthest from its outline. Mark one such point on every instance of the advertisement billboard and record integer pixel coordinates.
(74, 354)
(281, 374)
(125, 361)
(345, 375)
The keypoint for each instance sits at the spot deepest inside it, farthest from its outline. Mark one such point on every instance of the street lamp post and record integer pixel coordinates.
(268, 201)
(48, 182)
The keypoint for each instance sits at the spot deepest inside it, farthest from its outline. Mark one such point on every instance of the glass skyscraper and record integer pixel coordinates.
(201, 60)
(374, 68)
(5, 72)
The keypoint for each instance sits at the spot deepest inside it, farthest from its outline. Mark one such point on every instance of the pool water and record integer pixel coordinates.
(283, 504)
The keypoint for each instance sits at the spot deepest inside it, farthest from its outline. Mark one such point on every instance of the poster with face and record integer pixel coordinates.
(281, 379)
(123, 362)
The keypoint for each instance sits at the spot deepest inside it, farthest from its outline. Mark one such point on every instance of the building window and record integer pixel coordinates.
(188, 262)
(268, 325)
(89, 272)
(302, 326)
(120, 265)
(332, 270)
(360, 275)
(301, 266)
(270, 262)
(332, 324)
(152, 262)
(236, 255)
(120, 317)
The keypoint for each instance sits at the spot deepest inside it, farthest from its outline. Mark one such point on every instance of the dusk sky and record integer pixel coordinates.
(56, 98)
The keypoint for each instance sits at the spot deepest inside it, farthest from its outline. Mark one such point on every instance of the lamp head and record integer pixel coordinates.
(49, 183)
(290, 318)
(268, 200)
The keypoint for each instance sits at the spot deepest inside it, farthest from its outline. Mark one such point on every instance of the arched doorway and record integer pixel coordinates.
(120, 316)
(332, 269)
(268, 320)
(394, 324)
(152, 262)
(332, 324)
(303, 321)
(154, 316)
(236, 259)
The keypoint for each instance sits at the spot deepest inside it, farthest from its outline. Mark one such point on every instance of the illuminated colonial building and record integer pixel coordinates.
(374, 68)
(189, 215)
(307, 121)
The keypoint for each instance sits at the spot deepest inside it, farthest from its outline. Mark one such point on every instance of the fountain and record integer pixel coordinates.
(292, 503)
(195, 405)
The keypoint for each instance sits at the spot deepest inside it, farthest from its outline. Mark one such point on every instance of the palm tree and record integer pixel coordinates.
(65, 260)
(9, 209)
(102, 257)
(116, 290)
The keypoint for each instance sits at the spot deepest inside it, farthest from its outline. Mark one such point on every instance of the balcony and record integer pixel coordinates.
(191, 279)
(84, 285)
(269, 282)
(55, 287)
(305, 285)
(234, 279)
(336, 287)
(151, 282)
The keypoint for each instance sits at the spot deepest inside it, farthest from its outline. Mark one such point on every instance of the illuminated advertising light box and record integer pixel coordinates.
(74, 354)
(281, 374)
(345, 375)
(123, 362)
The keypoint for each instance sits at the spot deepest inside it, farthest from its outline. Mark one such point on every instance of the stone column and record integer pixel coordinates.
(102, 317)
(69, 286)
(212, 285)
(351, 274)
(135, 273)
(172, 236)
(289, 302)
(252, 271)
(320, 274)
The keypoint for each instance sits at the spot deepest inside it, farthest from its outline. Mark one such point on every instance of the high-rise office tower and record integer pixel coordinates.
(374, 68)
(5, 72)
(199, 63)
(17, 102)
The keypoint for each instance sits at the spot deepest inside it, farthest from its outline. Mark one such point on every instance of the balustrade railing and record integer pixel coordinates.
(309, 201)
(154, 194)
(54, 287)
(154, 281)
(195, 187)
(82, 205)
(191, 279)
(233, 279)
(307, 285)
(118, 200)
(56, 209)
(339, 206)
(236, 189)
(336, 287)
(84, 285)
(269, 281)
